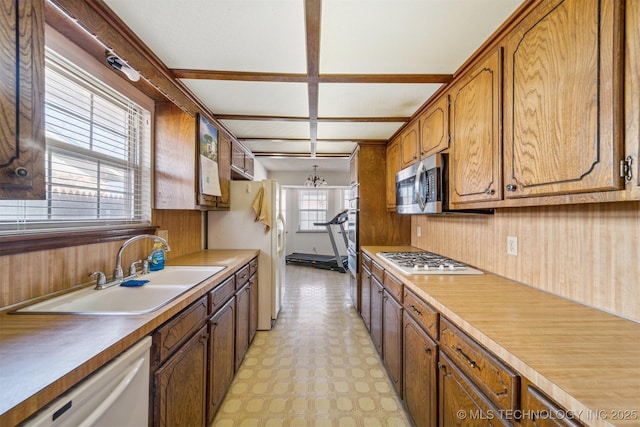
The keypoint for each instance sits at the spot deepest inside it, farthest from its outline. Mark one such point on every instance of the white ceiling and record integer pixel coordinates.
(267, 42)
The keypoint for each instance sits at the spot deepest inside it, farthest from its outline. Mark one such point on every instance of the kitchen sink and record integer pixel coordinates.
(163, 287)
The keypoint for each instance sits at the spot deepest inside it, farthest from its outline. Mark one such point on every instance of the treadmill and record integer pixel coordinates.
(333, 262)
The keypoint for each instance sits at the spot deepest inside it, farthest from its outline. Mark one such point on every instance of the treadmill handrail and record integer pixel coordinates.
(341, 218)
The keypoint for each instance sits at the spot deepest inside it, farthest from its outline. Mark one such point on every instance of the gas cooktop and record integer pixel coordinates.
(426, 263)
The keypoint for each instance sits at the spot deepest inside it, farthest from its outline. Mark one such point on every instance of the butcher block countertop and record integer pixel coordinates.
(586, 359)
(42, 355)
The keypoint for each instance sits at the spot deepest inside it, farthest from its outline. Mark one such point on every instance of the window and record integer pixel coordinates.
(312, 207)
(97, 157)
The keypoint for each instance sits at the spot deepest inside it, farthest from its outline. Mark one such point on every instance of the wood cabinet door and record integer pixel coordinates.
(409, 146)
(543, 412)
(460, 403)
(632, 93)
(180, 385)
(376, 313)
(392, 168)
(476, 140)
(563, 81)
(392, 339)
(22, 142)
(253, 306)
(221, 355)
(224, 171)
(243, 307)
(365, 300)
(420, 358)
(434, 128)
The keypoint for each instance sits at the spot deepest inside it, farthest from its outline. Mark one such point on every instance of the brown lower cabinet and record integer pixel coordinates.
(420, 374)
(376, 313)
(221, 355)
(195, 354)
(538, 410)
(365, 297)
(392, 339)
(460, 403)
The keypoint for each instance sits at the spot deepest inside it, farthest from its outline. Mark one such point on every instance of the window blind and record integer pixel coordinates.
(97, 157)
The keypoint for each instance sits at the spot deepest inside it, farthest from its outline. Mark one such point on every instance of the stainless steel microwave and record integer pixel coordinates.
(423, 188)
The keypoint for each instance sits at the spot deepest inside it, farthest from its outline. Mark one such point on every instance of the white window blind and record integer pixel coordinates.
(97, 157)
(312, 207)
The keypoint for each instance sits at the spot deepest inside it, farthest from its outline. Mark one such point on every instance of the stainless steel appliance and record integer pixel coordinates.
(423, 262)
(423, 188)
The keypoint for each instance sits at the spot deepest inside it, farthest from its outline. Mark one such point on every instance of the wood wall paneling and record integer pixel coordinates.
(588, 253)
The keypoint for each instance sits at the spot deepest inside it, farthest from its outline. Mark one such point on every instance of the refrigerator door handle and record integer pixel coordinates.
(280, 234)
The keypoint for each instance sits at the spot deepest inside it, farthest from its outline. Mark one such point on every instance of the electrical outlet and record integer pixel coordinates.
(164, 234)
(512, 245)
(418, 231)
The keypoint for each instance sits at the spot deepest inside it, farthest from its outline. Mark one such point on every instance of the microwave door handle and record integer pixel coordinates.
(421, 202)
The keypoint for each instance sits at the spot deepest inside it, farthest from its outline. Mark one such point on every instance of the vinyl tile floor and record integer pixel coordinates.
(317, 367)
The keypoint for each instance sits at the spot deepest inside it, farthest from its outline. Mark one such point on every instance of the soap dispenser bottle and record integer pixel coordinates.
(156, 259)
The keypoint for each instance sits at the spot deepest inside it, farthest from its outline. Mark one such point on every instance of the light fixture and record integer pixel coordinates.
(118, 64)
(315, 180)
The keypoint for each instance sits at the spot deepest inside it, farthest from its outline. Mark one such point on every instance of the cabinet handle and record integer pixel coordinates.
(470, 361)
(490, 191)
(511, 187)
(21, 172)
(414, 309)
(427, 350)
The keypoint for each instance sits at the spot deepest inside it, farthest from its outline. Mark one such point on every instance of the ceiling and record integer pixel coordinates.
(309, 79)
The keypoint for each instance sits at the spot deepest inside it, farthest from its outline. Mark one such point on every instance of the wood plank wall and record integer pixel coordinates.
(33, 274)
(588, 253)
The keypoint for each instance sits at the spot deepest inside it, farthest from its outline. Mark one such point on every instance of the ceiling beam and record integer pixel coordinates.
(313, 12)
(319, 119)
(302, 78)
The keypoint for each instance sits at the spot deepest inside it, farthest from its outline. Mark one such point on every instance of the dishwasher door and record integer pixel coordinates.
(115, 395)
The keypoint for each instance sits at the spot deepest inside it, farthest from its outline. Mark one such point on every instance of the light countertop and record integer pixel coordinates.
(584, 358)
(42, 355)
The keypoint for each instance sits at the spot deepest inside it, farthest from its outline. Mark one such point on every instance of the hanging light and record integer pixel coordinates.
(315, 180)
(118, 64)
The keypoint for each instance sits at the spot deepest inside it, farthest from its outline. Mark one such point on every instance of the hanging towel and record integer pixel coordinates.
(261, 207)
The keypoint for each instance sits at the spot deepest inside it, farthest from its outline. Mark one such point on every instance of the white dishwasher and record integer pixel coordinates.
(115, 395)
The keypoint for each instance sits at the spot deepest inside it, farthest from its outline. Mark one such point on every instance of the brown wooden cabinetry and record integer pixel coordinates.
(253, 306)
(632, 95)
(392, 168)
(434, 127)
(376, 313)
(246, 309)
(179, 368)
(221, 355)
(409, 145)
(476, 140)
(392, 338)
(22, 143)
(420, 358)
(460, 403)
(177, 184)
(540, 411)
(563, 80)
(241, 162)
(365, 300)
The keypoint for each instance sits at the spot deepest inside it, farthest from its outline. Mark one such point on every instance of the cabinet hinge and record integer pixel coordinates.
(625, 169)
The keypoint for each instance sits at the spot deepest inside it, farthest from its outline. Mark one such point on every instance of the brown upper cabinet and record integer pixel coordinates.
(392, 168)
(22, 143)
(241, 162)
(177, 182)
(632, 94)
(434, 127)
(476, 144)
(562, 99)
(409, 150)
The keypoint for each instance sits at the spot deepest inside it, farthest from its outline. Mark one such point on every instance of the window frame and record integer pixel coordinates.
(29, 241)
(316, 229)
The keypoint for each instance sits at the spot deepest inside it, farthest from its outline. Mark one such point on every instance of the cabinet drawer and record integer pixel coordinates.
(221, 293)
(366, 261)
(170, 336)
(242, 276)
(377, 271)
(544, 412)
(422, 312)
(394, 286)
(253, 266)
(499, 382)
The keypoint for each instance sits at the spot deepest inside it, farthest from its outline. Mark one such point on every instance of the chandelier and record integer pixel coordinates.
(315, 180)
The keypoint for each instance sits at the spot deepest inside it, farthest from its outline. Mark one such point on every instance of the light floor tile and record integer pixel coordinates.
(316, 367)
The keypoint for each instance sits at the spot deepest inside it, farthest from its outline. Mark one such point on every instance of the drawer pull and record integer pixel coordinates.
(470, 361)
(415, 310)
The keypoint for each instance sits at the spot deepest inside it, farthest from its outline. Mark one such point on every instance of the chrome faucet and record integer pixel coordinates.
(118, 274)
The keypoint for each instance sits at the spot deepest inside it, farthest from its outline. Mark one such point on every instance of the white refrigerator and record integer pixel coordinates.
(238, 229)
